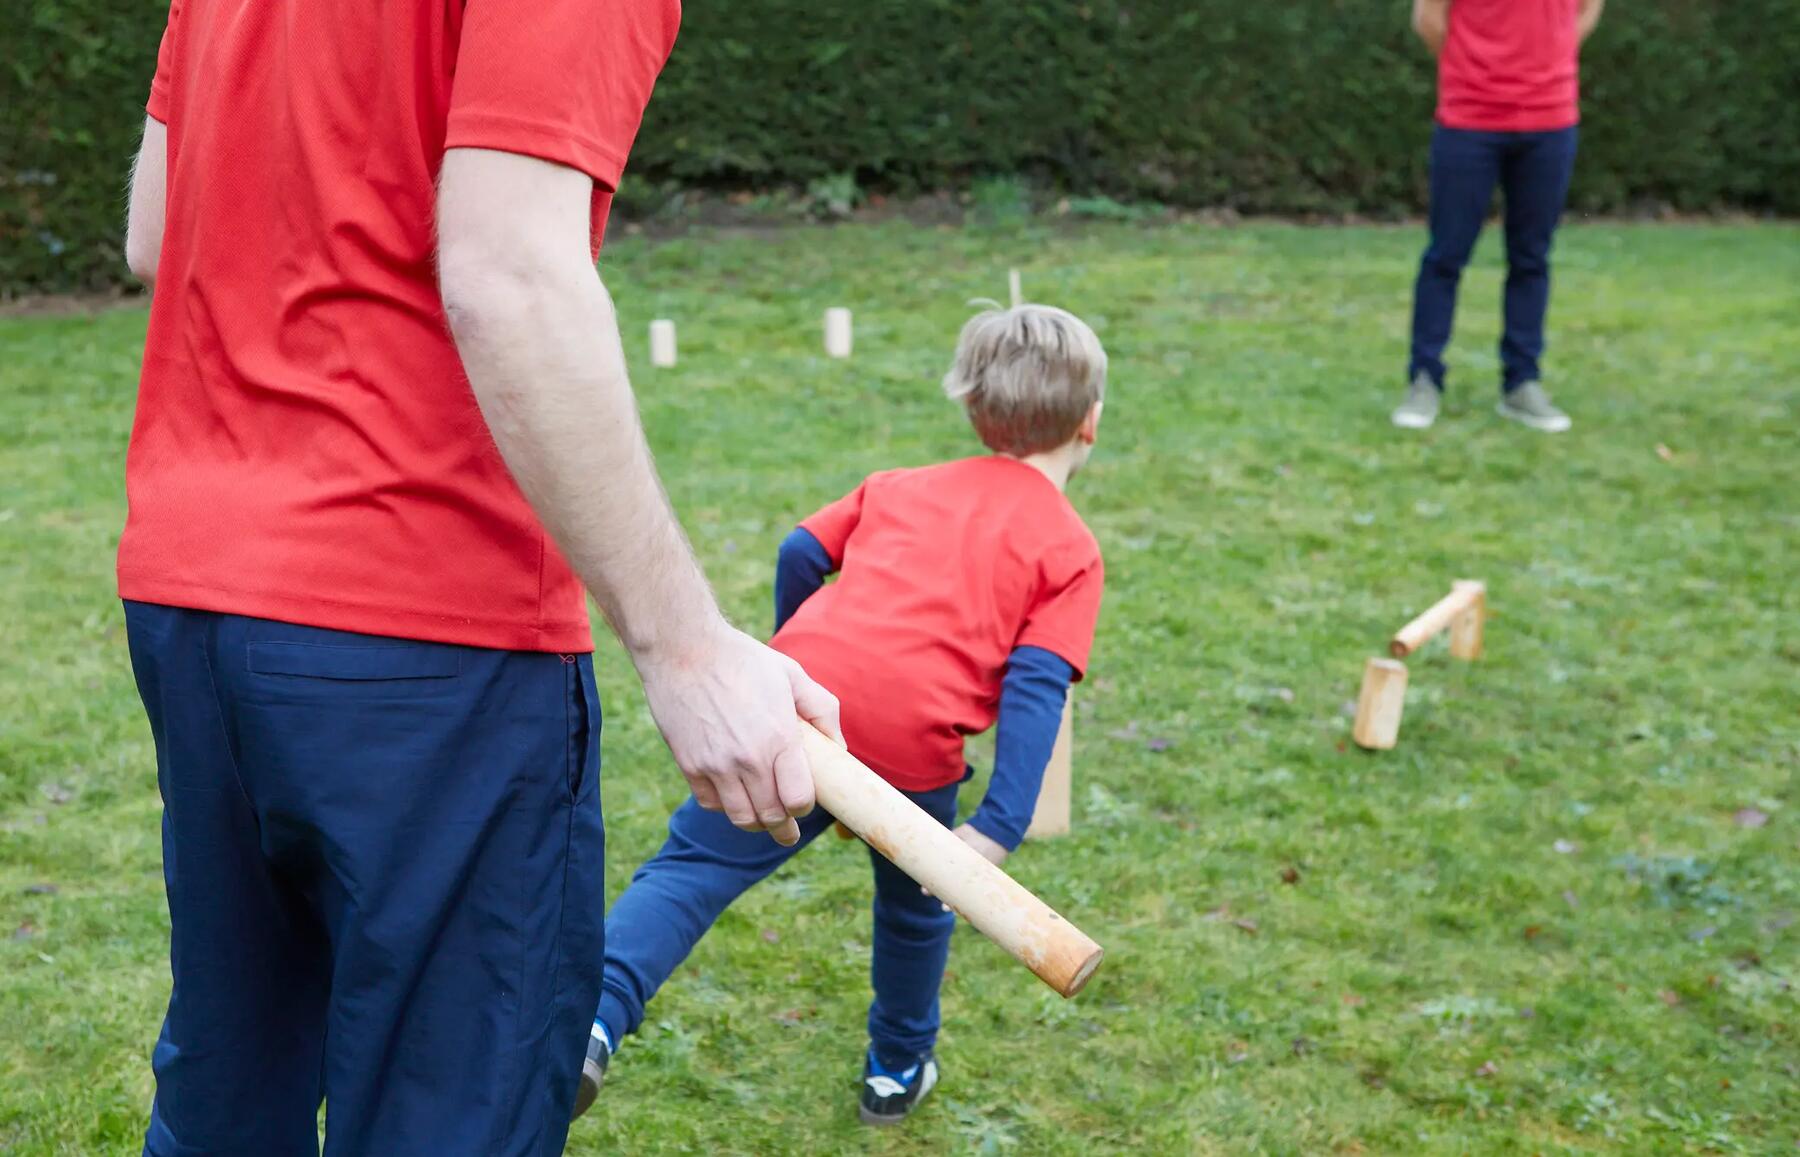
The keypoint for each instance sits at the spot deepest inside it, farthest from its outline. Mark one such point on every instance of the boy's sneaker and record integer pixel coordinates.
(593, 1070)
(1420, 409)
(889, 1097)
(1529, 405)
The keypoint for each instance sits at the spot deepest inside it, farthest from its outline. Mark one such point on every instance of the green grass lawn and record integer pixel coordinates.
(1559, 918)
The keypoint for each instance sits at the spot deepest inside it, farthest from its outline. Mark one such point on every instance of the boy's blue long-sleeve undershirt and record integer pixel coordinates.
(801, 566)
(1031, 700)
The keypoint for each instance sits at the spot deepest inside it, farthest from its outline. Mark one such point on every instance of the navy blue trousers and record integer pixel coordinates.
(383, 862)
(1532, 170)
(706, 864)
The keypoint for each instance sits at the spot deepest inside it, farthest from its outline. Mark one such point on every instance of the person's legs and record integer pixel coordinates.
(1465, 166)
(1535, 175)
(911, 948)
(237, 1063)
(673, 899)
(439, 808)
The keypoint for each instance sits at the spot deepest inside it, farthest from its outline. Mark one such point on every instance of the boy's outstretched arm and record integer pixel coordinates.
(1031, 708)
(800, 569)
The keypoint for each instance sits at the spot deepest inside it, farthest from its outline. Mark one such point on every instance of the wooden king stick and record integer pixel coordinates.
(998, 906)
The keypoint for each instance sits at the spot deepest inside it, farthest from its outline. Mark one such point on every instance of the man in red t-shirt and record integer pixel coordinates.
(384, 439)
(1508, 105)
(966, 599)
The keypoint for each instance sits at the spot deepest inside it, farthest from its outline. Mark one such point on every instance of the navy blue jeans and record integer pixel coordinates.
(383, 862)
(1532, 170)
(706, 864)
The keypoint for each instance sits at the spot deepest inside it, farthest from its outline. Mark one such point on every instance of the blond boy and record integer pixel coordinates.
(966, 596)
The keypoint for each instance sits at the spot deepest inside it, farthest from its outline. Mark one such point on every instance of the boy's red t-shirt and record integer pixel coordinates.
(943, 571)
(1511, 66)
(306, 446)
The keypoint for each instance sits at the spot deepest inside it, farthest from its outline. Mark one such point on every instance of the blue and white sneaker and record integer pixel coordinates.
(593, 1069)
(889, 1096)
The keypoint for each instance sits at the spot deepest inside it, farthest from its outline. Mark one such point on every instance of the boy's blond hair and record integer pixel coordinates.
(1028, 376)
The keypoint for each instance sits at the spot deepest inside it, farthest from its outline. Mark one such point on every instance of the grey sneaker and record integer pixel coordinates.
(1529, 405)
(593, 1070)
(1420, 409)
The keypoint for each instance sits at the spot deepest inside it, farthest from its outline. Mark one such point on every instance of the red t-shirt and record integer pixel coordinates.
(943, 571)
(1510, 66)
(306, 446)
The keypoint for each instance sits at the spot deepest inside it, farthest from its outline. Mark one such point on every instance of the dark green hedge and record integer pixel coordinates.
(1298, 106)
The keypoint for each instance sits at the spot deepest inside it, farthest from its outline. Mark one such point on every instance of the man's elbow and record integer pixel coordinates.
(487, 290)
(1429, 22)
(142, 256)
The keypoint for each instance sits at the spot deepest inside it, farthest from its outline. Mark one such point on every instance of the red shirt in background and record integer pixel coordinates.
(306, 446)
(943, 571)
(1510, 66)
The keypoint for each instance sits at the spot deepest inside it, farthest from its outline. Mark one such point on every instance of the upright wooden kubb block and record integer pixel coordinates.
(662, 343)
(837, 332)
(1465, 628)
(1380, 705)
(1051, 817)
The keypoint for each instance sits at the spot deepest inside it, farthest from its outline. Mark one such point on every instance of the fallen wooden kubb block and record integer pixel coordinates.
(998, 906)
(1383, 698)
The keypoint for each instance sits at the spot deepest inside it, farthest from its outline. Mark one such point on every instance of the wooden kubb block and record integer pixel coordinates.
(1463, 612)
(1379, 707)
(1052, 815)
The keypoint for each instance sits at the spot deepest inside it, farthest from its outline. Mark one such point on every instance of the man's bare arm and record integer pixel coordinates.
(1589, 19)
(148, 198)
(540, 342)
(1431, 20)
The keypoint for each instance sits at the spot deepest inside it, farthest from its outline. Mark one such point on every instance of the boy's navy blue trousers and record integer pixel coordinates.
(706, 864)
(1532, 170)
(383, 862)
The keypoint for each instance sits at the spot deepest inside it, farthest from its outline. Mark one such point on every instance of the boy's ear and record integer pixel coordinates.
(1090, 425)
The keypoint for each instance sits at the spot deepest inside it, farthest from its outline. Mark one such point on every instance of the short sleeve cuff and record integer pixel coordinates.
(1075, 656)
(822, 534)
(479, 130)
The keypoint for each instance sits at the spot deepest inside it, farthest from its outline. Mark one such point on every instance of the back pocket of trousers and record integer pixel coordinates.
(355, 662)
